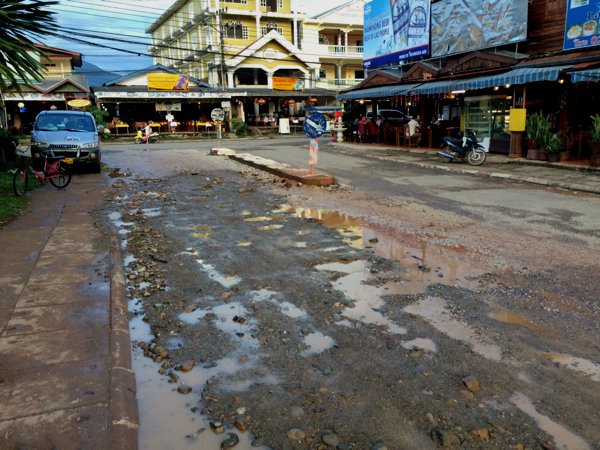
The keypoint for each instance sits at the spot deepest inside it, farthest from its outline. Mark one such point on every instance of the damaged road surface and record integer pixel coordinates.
(270, 315)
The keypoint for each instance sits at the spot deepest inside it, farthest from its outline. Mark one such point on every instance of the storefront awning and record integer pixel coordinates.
(585, 75)
(521, 75)
(378, 92)
(435, 87)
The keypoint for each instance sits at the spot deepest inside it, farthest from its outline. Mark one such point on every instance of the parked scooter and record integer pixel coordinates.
(471, 150)
(141, 138)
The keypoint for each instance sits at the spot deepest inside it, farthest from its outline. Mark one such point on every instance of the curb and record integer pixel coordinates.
(123, 410)
(280, 169)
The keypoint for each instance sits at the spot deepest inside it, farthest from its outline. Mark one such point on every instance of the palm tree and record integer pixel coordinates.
(21, 21)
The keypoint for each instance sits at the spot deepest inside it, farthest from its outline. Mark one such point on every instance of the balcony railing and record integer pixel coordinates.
(338, 84)
(340, 50)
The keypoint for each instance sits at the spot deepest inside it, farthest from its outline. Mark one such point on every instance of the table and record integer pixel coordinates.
(121, 125)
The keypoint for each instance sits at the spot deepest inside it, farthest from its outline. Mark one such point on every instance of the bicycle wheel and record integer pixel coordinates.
(20, 180)
(61, 179)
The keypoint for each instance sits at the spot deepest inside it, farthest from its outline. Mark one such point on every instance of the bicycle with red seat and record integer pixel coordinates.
(56, 169)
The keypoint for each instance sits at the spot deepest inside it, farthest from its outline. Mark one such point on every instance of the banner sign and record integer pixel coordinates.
(288, 84)
(167, 106)
(173, 94)
(167, 82)
(395, 30)
(458, 26)
(581, 26)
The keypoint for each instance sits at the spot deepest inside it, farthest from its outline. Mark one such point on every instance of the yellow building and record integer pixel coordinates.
(249, 46)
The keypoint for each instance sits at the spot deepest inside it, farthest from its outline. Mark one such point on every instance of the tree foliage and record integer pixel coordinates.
(21, 23)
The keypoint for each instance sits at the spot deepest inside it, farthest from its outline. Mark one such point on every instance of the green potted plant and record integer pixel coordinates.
(543, 137)
(553, 146)
(532, 126)
(595, 140)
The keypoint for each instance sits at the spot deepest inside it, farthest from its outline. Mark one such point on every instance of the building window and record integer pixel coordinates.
(323, 39)
(242, 2)
(235, 30)
(359, 74)
(279, 3)
(180, 18)
(191, 11)
(194, 42)
(322, 74)
(270, 26)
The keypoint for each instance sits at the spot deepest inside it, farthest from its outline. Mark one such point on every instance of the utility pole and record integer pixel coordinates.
(221, 27)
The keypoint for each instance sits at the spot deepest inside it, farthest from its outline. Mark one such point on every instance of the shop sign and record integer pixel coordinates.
(167, 82)
(288, 84)
(581, 26)
(78, 103)
(33, 96)
(395, 30)
(168, 106)
(517, 119)
(153, 95)
(458, 26)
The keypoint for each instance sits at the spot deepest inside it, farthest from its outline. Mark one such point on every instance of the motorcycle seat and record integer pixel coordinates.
(455, 141)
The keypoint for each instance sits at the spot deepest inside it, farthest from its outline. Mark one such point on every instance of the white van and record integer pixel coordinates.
(72, 134)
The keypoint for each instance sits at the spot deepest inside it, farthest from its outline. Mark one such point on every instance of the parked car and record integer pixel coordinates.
(73, 134)
(391, 115)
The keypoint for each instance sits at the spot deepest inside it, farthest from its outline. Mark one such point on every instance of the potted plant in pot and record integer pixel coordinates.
(595, 141)
(532, 132)
(543, 137)
(553, 146)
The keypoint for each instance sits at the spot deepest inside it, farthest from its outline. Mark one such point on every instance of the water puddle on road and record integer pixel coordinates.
(564, 439)
(512, 318)
(581, 365)
(435, 311)
(367, 298)
(425, 260)
(166, 417)
(317, 342)
(227, 281)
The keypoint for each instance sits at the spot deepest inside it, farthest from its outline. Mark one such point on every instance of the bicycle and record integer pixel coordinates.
(57, 170)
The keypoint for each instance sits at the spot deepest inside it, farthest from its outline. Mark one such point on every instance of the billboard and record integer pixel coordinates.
(459, 26)
(167, 82)
(288, 84)
(395, 30)
(581, 26)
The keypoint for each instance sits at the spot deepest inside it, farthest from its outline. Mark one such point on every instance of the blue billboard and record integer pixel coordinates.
(581, 26)
(395, 30)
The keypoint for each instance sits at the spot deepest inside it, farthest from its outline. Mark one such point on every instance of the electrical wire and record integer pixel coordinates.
(135, 39)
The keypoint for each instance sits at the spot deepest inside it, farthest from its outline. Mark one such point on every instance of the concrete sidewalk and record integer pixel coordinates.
(66, 378)
(565, 175)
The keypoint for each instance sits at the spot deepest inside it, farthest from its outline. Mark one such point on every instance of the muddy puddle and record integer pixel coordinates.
(169, 419)
(564, 438)
(426, 258)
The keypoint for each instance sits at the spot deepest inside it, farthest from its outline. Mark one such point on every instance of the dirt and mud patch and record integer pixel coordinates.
(321, 318)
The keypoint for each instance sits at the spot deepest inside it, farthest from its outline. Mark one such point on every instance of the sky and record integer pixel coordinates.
(121, 26)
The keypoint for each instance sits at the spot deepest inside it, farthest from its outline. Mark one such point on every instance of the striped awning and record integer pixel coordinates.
(519, 75)
(585, 75)
(435, 87)
(377, 92)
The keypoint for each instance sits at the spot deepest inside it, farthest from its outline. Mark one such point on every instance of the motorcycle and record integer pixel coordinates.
(470, 149)
(141, 138)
